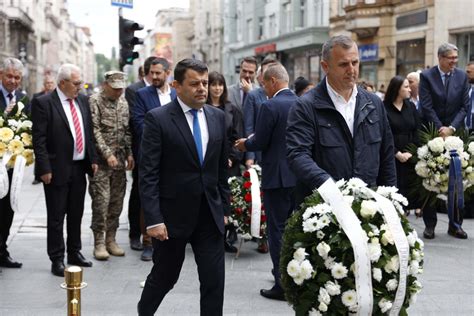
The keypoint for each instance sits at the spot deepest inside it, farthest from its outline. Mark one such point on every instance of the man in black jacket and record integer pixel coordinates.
(337, 131)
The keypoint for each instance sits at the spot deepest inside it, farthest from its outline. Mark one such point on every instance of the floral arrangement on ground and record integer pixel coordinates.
(15, 135)
(317, 261)
(241, 205)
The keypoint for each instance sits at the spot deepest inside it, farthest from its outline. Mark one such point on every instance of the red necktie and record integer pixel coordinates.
(77, 126)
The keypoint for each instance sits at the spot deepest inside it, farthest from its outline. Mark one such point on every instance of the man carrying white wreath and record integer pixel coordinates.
(338, 131)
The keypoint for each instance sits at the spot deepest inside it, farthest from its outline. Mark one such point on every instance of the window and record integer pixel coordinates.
(302, 13)
(249, 31)
(465, 44)
(410, 56)
(273, 28)
(286, 27)
(261, 23)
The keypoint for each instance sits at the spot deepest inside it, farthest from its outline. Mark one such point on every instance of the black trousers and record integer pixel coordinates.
(6, 219)
(279, 204)
(430, 216)
(65, 201)
(208, 246)
(134, 207)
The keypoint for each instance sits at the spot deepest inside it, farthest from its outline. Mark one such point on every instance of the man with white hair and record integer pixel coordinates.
(413, 81)
(11, 78)
(65, 152)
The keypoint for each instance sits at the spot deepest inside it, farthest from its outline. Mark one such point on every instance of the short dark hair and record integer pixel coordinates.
(188, 63)
(300, 84)
(214, 76)
(392, 90)
(249, 60)
(147, 64)
(160, 61)
(268, 60)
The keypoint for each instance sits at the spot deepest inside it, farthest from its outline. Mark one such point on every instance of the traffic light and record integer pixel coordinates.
(128, 40)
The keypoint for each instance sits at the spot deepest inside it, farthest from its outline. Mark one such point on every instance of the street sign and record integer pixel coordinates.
(123, 3)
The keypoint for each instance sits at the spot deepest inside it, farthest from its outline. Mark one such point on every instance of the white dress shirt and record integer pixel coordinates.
(67, 110)
(347, 109)
(165, 97)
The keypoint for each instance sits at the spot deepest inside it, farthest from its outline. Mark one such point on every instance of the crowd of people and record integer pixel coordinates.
(183, 139)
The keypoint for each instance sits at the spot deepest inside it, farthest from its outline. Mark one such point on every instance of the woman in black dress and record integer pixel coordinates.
(217, 97)
(405, 123)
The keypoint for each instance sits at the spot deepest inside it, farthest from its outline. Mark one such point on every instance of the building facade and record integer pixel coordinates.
(291, 30)
(396, 37)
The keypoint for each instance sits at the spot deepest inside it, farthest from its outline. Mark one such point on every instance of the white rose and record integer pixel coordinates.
(375, 251)
(470, 148)
(332, 288)
(368, 209)
(392, 265)
(414, 267)
(387, 238)
(306, 269)
(392, 285)
(298, 280)
(453, 143)
(300, 254)
(385, 305)
(323, 249)
(411, 239)
(293, 268)
(377, 274)
(413, 298)
(339, 271)
(416, 255)
(324, 296)
(436, 145)
(422, 151)
(323, 307)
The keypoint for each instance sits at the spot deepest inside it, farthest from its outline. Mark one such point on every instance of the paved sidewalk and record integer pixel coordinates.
(113, 285)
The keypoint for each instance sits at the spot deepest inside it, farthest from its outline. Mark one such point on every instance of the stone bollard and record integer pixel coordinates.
(73, 284)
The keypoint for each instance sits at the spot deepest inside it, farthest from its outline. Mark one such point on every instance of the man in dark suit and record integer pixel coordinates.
(184, 190)
(338, 131)
(238, 92)
(157, 94)
(134, 206)
(65, 152)
(444, 100)
(278, 181)
(10, 94)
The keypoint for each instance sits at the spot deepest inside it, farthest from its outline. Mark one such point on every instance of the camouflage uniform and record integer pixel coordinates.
(112, 137)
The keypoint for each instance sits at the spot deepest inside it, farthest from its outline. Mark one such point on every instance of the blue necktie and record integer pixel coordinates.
(197, 134)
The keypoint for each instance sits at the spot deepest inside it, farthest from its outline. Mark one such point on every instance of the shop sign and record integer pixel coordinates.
(265, 49)
(369, 52)
(413, 19)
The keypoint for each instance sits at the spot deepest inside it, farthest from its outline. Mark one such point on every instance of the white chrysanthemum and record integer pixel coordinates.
(349, 199)
(453, 143)
(356, 183)
(320, 234)
(293, 268)
(324, 296)
(323, 307)
(329, 262)
(339, 271)
(416, 255)
(306, 269)
(392, 265)
(375, 250)
(300, 254)
(423, 152)
(323, 208)
(436, 145)
(414, 267)
(399, 198)
(309, 212)
(310, 225)
(421, 169)
(392, 285)
(323, 249)
(332, 288)
(377, 274)
(314, 312)
(231, 179)
(385, 305)
(368, 208)
(323, 222)
(349, 298)
(411, 239)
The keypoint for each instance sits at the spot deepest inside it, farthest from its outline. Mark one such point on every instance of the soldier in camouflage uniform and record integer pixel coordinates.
(110, 117)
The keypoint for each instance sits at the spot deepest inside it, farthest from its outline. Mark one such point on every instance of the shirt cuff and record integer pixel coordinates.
(156, 225)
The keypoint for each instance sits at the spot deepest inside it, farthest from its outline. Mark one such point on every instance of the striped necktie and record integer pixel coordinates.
(77, 126)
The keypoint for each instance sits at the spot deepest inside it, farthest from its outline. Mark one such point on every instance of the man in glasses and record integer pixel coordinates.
(444, 101)
(65, 152)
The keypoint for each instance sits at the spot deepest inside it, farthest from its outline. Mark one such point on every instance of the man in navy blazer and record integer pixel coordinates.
(184, 190)
(444, 100)
(278, 181)
(155, 95)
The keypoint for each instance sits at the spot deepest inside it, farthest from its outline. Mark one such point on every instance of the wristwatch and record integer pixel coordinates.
(452, 127)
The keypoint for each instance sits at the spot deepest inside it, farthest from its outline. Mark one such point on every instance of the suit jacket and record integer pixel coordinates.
(438, 107)
(251, 108)
(171, 178)
(270, 138)
(53, 140)
(130, 96)
(146, 99)
(320, 144)
(19, 95)
(233, 95)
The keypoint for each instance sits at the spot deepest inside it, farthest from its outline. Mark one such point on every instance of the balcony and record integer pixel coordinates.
(20, 16)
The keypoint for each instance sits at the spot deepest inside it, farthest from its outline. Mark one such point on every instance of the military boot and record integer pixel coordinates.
(112, 246)
(100, 253)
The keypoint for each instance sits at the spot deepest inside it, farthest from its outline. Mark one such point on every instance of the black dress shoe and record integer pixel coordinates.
(78, 259)
(457, 233)
(7, 262)
(228, 247)
(429, 233)
(147, 254)
(57, 268)
(273, 294)
(135, 244)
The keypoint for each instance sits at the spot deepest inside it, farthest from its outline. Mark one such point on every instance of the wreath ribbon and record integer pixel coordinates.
(256, 204)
